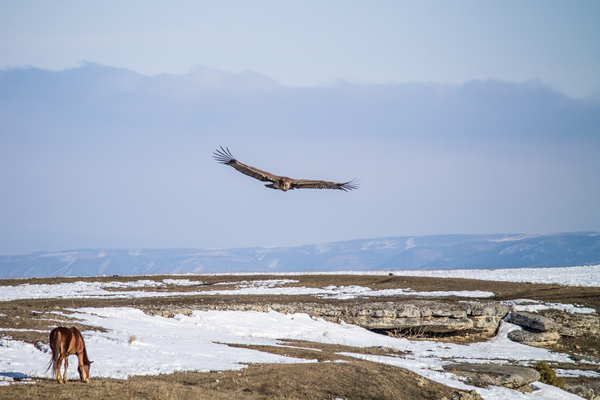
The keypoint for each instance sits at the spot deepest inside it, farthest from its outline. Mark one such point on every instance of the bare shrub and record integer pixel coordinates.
(412, 333)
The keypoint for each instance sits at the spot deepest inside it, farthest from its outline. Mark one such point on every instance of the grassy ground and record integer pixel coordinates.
(349, 380)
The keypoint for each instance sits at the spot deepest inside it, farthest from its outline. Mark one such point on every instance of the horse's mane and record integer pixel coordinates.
(79, 338)
(86, 361)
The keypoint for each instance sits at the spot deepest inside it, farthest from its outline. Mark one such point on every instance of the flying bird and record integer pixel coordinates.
(284, 183)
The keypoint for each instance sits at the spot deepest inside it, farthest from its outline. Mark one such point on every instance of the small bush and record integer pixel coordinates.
(413, 333)
(548, 376)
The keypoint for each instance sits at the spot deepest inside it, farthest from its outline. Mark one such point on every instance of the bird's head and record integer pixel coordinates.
(285, 186)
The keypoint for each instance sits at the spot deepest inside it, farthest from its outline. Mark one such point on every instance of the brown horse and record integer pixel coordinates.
(65, 342)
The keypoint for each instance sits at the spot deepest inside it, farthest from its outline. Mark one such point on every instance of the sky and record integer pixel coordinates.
(312, 42)
(462, 117)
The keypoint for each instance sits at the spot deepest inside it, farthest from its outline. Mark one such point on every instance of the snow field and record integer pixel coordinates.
(259, 287)
(138, 344)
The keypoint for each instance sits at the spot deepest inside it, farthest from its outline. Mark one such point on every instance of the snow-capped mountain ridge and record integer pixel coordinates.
(392, 253)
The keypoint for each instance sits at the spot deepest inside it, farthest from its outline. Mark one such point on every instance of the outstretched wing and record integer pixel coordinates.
(308, 184)
(224, 156)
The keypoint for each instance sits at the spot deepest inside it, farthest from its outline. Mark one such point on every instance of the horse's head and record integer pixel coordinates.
(85, 373)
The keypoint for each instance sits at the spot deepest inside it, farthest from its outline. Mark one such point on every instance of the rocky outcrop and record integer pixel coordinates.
(483, 375)
(424, 316)
(534, 338)
(588, 389)
(574, 324)
(430, 316)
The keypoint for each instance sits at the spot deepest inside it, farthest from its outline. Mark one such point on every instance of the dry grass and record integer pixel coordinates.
(349, 380)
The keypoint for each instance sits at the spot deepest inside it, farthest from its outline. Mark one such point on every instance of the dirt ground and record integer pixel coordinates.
(587, 296)
(350, 379)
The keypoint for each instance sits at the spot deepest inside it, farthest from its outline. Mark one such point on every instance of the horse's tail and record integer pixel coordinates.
(55, 347)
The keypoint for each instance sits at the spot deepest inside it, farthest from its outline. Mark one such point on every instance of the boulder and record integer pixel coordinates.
(533, 338)
(483, 375)
(533, 321)
(472, 395)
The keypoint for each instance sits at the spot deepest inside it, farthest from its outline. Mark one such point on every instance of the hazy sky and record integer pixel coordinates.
(457, 117)
(315, 42)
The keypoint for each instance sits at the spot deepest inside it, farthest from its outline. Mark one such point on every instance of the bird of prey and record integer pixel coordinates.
(284, 183)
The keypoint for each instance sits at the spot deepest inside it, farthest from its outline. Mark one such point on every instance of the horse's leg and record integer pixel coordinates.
(60, 360)
(66, 366)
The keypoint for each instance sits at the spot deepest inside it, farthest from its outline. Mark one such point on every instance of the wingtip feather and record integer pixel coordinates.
(350, 185)
(223, 155)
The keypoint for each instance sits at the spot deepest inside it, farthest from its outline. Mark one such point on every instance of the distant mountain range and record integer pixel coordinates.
(392, 253)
